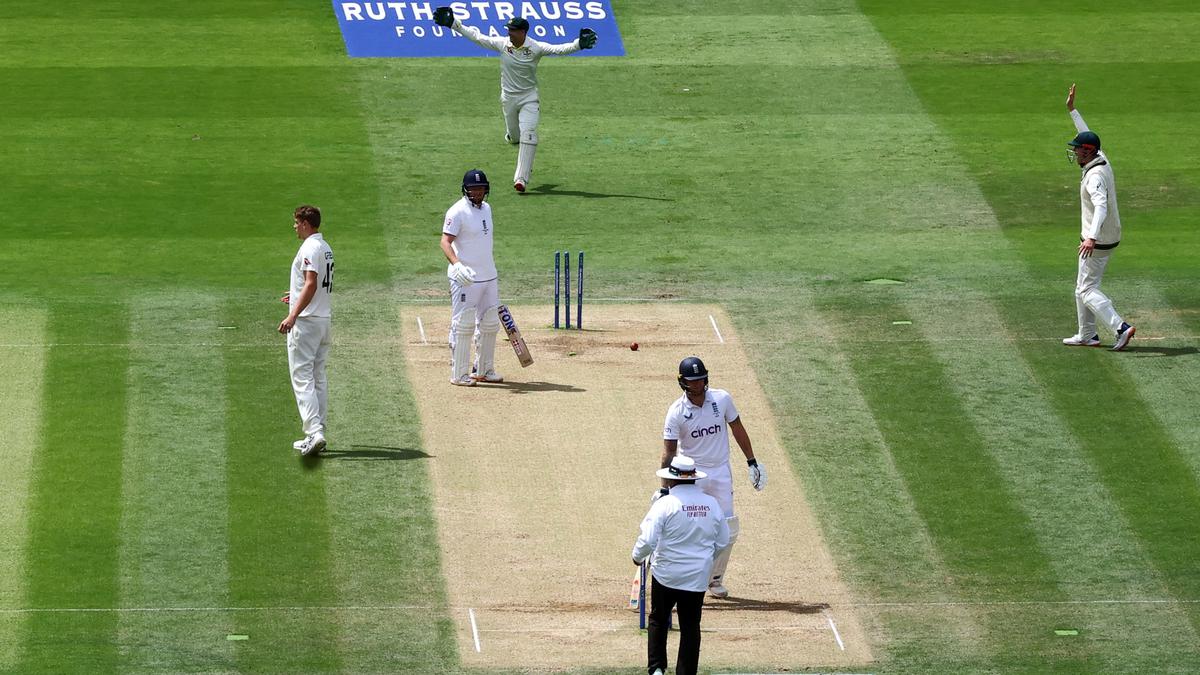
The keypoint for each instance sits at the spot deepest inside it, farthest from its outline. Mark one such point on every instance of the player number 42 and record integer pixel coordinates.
(327, 284)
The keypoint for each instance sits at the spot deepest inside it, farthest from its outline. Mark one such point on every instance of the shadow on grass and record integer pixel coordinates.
(1145, 350)
(737, 604)
(532, 387)
(550, 190)
(375, 453)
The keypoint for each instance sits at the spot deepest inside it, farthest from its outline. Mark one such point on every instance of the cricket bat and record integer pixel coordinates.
(514, 337)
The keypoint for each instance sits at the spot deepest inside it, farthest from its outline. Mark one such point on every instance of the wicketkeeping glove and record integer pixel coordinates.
(443, 16)
(461, 274)
(758, 474)
(587, 38)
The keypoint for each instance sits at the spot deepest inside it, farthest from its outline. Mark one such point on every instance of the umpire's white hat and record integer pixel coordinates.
(682, 468)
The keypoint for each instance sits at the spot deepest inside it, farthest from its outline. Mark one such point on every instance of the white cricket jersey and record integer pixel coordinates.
(518, 65)
(702, 431)
(472, 227)
(1098, 197)
(314, 256)
(683, 530)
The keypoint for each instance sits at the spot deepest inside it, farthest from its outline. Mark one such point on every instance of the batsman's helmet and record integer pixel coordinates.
(691, 368)
(1085, 139)
(475, 178)
(517, 23)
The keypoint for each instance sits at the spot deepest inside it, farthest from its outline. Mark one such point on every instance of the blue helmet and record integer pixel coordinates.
(691, 368)
(475, 178)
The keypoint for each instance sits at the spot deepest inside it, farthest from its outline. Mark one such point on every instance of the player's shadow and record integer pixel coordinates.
(731, 603)
(533, 387)
(1150, 350)
(374, 453)
(551, 190)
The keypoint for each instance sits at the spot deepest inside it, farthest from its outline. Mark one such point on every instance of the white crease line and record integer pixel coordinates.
(715, 329)
(833, 626)
(606, 629)
(474, 629)
(421, 327)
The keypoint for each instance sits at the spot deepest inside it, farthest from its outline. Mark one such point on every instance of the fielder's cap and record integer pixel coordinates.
(517, 23)
(682, 468)
(1085, 138)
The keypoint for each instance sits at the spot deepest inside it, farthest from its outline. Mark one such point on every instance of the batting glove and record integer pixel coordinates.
(758, 474)
(461, 274)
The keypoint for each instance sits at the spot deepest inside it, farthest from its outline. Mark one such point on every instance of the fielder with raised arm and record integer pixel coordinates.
(474, 290)
(698, 425)
(1100, 235)
(307, 326)
(519, 57)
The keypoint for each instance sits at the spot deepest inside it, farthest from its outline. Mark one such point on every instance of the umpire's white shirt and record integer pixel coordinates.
(472, 228)
(518, 65)
(683, 530)
(314, 256)
(1098, 197)
(703, 430)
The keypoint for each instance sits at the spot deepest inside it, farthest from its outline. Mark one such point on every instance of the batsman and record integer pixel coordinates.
(519, 57)
(698, 425)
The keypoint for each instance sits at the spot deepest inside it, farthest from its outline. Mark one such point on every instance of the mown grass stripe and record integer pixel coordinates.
(21, 391)
(173, 527)
(75, 505)
(987, 541)
(1053, 480)
(1134, 454)
(384, 536)
(279, 527)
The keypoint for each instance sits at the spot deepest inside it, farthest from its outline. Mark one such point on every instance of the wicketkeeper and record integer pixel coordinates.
(698, 425)
(519, 57)
(474, 290)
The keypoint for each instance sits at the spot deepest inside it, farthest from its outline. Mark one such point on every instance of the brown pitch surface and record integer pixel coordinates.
(540, 484)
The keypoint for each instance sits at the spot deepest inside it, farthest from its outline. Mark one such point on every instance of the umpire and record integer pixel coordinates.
(680, 534)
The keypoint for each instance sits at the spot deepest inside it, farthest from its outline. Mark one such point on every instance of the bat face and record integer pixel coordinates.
(514, 336)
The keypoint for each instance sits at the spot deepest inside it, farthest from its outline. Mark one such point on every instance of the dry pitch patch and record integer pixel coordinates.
(540, 484)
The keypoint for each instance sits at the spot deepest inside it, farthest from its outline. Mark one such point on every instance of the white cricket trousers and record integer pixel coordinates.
(1092, 305)
(308, 345)
(718, 484)
(521, 115)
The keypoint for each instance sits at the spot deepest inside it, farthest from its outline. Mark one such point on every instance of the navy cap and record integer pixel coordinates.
(1085, 138)
(517, 23)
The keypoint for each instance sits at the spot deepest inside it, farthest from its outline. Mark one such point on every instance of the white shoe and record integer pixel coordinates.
(1123, 337)
(489, 376)
(658, 671)
(508, 139)
(312, 445)
(1080, 341)
(717, 590)
(300, 443)
(464, 381)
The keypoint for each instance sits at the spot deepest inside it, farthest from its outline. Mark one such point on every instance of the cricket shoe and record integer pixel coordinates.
(1080, 341)
(464, 381)
(489, 376)
(1124, 336)
(717, 590)
(508, 139)
(312, 445)
(519, 186)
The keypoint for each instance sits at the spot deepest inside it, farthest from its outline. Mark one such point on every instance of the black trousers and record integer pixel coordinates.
(690, 604)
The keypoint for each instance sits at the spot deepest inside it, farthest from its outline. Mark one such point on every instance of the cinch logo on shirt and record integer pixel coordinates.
(701, 433)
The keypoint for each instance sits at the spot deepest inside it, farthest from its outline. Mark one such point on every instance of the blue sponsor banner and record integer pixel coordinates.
(406, 29)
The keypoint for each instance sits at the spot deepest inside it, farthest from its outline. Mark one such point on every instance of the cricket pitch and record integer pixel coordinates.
(540, 484)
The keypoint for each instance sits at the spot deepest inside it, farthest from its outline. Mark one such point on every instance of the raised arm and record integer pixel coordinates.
(1080, 125)
(444, 16)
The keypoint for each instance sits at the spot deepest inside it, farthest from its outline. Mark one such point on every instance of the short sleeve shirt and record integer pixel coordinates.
(702, 431)
(472, 229)
(314, 256)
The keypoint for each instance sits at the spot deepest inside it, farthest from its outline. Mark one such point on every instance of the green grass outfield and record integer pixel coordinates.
(980, 485)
